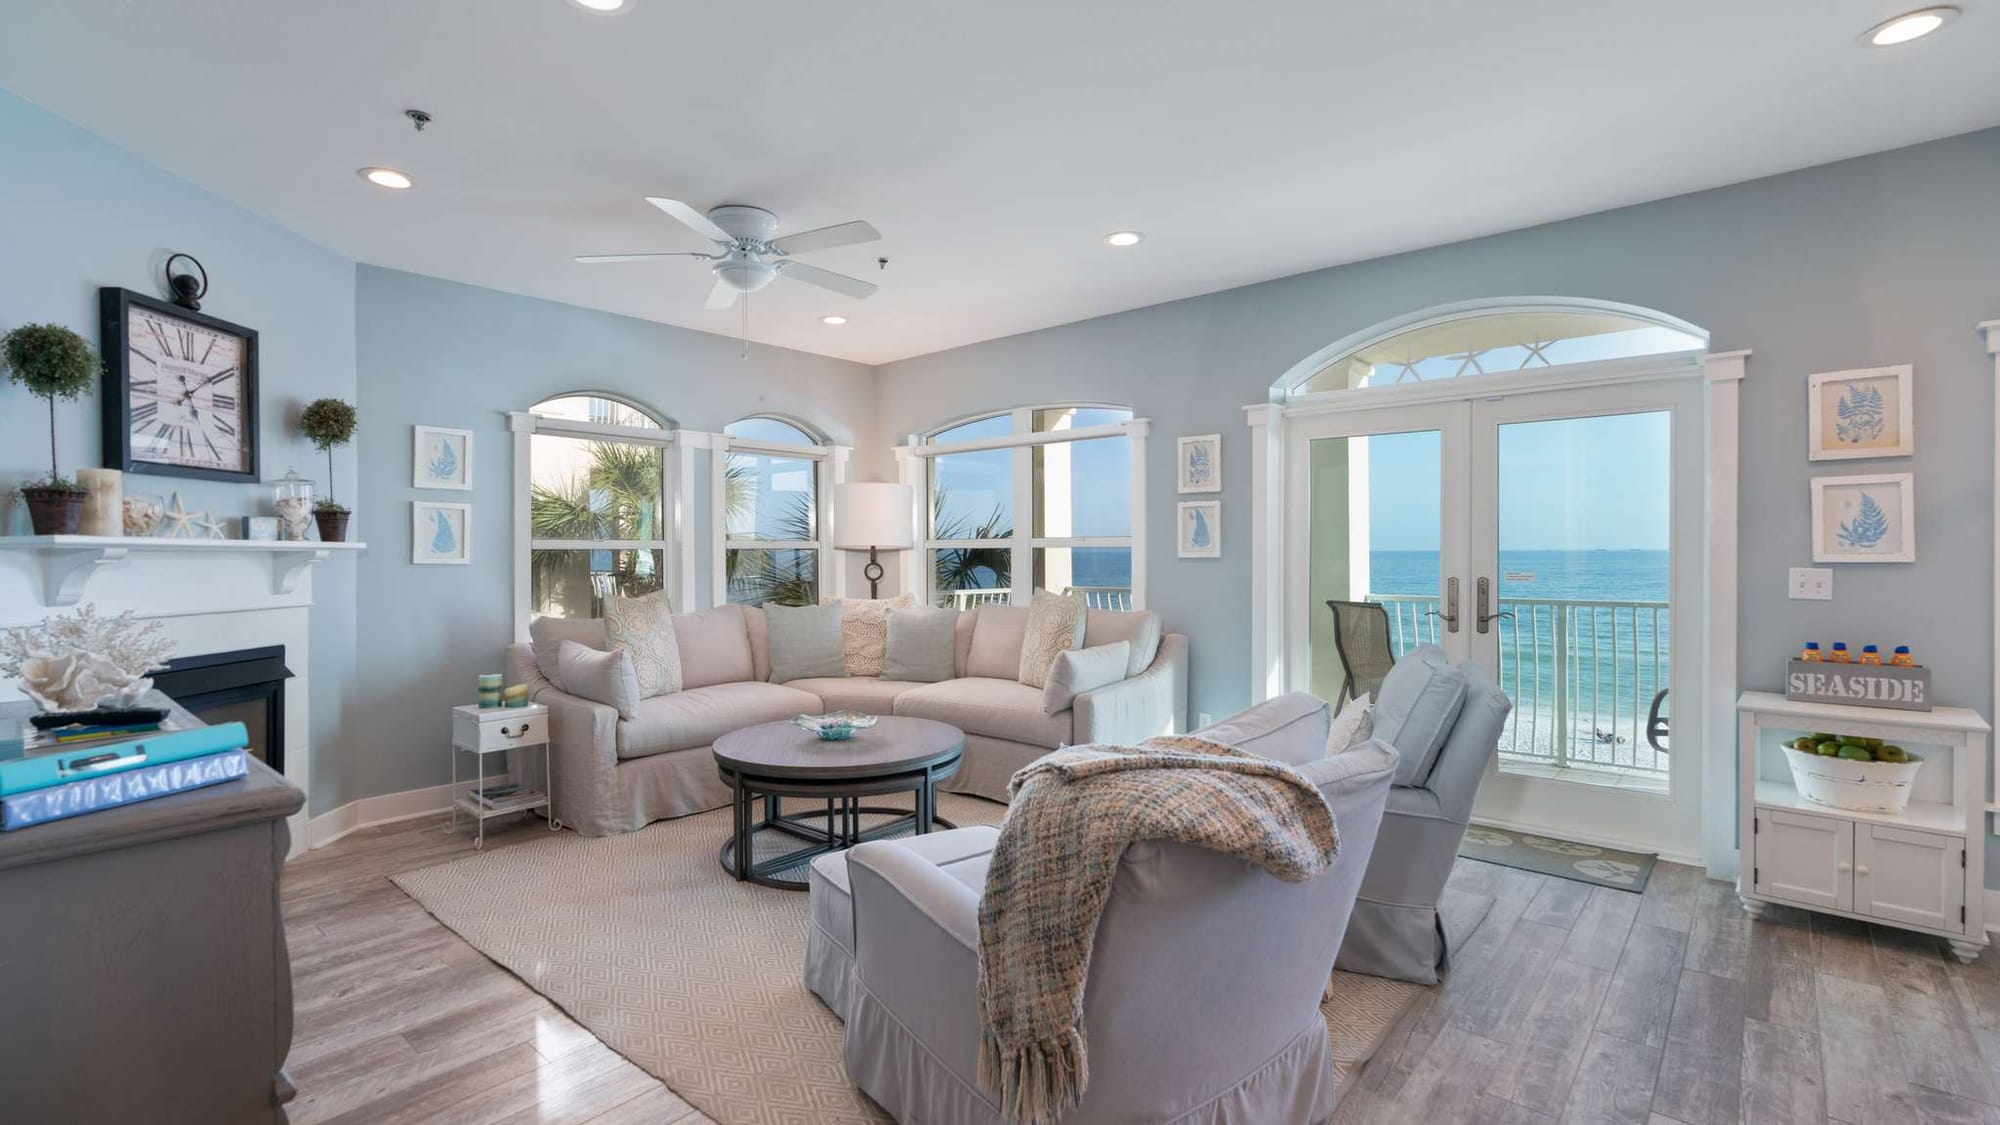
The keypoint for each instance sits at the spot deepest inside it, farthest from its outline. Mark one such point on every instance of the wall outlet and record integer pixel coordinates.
(1812, 583)
(1204, 720)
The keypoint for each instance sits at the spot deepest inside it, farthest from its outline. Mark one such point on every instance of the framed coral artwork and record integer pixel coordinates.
(442, 458)
(1863, 413)
(1201, 463)
(1865, 519)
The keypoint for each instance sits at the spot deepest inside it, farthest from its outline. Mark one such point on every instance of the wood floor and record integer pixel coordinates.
(1569, 1004)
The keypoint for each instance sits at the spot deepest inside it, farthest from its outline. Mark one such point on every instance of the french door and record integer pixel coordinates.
(1550, 536)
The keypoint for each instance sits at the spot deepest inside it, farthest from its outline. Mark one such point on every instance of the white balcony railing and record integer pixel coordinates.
(1094, 597)
(1582, 675)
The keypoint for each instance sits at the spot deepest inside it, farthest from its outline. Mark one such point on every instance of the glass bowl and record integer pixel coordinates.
(835, 726)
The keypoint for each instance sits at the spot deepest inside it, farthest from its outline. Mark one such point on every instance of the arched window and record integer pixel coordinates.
(771, 499)
(1045, 492)
(1491, 338)
(596, 503)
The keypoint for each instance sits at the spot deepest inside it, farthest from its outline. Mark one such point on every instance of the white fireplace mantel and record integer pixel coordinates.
(68, 562)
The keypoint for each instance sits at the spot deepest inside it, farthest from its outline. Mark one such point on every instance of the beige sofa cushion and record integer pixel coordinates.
(601, 677)
(991, 706)
(961, 642)
(715, 647)
(698, 716)
(546, 635)
(759, 628)
(1139, 628)
(997, 633)
(1082, 670)
(870, 695)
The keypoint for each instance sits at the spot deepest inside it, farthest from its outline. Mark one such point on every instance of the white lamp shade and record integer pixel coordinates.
(872, 515)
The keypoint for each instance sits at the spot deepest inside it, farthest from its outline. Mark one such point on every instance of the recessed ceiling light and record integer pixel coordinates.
(600, 5)
(1124, 238)
(835, 320)
(387, 177)
(1908, 26)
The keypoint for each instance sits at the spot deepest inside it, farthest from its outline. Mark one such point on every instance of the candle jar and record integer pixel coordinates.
(294, 501)
(104, 503)
(143, 513)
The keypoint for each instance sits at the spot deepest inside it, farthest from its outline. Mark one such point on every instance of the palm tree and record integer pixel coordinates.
(616, 497)
(781, 577)
(960, 568)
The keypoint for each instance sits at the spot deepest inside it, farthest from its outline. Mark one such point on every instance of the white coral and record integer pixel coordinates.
(76, 663)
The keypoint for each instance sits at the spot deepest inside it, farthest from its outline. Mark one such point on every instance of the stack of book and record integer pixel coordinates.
(46, 777)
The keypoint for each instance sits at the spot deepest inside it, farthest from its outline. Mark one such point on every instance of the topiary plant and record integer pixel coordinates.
(52, 362)
(327, 422)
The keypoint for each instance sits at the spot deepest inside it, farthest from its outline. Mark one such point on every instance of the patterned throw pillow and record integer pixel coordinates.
(1055, 625)
(1353, 726)
(644, 627)
(864, 630)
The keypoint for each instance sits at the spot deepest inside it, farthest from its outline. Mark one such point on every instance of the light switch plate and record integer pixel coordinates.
(1812, 583)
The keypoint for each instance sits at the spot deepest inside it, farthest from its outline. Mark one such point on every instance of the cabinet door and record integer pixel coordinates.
(1914, 878)
(1805, 859)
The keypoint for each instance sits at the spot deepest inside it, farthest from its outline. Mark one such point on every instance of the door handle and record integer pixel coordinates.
(1485, 603)
(1450, 617)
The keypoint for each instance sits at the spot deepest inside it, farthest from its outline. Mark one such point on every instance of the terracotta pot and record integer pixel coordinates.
(54, 511)
(332, 525)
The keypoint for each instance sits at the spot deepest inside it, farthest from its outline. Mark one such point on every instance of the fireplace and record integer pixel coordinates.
(245, 686)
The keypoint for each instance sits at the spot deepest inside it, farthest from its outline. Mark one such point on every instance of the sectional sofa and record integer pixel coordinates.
(615, 775)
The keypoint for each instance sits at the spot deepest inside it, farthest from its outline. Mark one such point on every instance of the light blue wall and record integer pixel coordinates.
(443, 354)
(77, 212)
(1886, 259)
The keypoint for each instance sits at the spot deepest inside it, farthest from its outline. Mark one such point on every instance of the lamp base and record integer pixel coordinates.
(873, 573)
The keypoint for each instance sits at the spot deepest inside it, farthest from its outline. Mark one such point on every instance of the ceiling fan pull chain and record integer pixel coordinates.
(746, 326)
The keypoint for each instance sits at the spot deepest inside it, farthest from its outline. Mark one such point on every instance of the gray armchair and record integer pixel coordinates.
(1445, 721)
(1202, 1003)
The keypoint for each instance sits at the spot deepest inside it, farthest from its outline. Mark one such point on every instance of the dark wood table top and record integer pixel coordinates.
(893, 745)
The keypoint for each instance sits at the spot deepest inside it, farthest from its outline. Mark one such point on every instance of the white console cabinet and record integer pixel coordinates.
(1921, 869)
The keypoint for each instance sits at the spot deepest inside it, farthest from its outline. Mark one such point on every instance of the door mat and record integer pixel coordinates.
(1564, 859)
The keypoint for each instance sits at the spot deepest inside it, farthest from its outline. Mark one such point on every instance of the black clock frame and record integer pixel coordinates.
(114, 310)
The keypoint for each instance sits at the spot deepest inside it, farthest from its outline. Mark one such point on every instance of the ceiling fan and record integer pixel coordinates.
(747, 257)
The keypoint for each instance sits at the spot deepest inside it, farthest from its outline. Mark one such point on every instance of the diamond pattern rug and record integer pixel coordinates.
(696, 978)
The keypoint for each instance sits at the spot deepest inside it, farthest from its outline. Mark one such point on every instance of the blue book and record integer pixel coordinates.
(109, 791)
(25, 766)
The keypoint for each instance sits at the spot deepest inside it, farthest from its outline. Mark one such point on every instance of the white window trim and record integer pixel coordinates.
(912, 468)
(832, 459)
(524, 425)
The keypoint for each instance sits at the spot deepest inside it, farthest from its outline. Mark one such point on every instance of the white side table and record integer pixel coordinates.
(485, 731)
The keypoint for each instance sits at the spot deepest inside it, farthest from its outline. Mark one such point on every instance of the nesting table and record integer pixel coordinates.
(772, 761)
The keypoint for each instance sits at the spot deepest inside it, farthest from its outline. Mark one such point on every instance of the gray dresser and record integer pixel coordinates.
(143, 975)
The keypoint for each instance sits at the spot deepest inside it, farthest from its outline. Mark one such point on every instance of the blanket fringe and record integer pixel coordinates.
(1036, 1081)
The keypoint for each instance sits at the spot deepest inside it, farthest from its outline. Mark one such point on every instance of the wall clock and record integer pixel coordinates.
(180, 390)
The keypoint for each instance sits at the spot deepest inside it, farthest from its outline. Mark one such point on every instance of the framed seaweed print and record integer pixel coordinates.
(1201, 463)
(440, 534)
(1867, 412)
(1199, 535)
(1865, 519)
(441, 458)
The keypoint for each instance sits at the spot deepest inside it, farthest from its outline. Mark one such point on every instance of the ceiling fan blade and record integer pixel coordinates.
(598, 259)
(722, 296)
(825, 279)
(695, 220)
(826, 238)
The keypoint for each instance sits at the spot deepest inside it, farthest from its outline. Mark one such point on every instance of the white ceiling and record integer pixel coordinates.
(993, 144)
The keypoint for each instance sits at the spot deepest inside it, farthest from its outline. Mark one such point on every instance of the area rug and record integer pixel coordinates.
(1564, 859)
(696, 978)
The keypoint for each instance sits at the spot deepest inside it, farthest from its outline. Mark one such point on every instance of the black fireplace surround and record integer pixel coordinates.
(247, 685)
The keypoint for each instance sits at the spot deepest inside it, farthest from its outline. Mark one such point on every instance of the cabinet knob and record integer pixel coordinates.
(1861, 869)
(1845, 866)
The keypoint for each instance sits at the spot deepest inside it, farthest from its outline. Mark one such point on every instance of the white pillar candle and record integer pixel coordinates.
(104, 507)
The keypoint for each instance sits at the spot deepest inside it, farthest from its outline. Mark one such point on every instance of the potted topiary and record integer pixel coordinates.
(52, 362)
(327, 422)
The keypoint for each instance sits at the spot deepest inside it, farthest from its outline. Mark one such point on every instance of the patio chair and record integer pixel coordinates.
(1361, 638)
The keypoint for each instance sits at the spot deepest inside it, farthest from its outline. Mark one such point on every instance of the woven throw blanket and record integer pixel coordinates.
(1073, 814)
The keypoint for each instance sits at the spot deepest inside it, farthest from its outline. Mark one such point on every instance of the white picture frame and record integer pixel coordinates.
(1200, 463)
(1198, 529)
(1865, 519)
(440, 533)
(441, 458)
(1868, 412)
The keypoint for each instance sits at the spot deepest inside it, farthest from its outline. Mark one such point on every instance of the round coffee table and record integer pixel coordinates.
(777, 760)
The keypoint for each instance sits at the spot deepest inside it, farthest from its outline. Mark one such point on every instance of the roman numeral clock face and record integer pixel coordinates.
(187, 403)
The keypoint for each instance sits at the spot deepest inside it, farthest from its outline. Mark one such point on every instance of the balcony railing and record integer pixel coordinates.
(1094, 597)
(1582, 675)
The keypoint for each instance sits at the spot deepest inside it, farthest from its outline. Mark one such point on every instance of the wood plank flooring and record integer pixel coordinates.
(1570, 1004)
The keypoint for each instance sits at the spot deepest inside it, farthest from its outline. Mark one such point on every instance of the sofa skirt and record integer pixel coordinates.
(988, 765)
(905, 1078)
(1399, 942)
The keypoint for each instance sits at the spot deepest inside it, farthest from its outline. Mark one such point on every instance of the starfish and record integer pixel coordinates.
(210, 527)
(179, 522)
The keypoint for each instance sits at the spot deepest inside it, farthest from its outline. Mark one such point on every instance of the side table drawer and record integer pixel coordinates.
(497, 730)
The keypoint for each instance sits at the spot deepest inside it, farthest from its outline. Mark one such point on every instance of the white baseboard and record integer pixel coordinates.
(1599, 841)
(367, 812)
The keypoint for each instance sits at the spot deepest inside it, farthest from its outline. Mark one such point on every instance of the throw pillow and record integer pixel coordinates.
(1055, 625)
(1351, 727)
(546, 635)
(920, 645)
(864, 631)
(601, 677)
(1083, 670)
(1421, 698)
(805, 642)
(644, 627)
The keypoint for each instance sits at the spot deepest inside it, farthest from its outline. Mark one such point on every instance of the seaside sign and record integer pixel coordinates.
(1859, 685)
